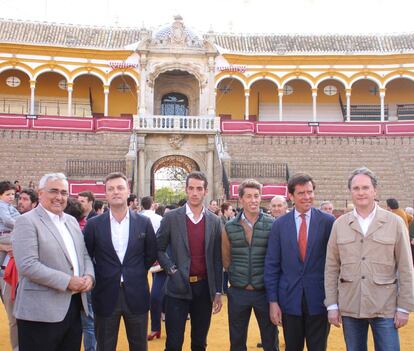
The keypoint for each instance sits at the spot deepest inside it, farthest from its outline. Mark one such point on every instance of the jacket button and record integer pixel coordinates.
(362, 240)
(363, 258)
(363, 277)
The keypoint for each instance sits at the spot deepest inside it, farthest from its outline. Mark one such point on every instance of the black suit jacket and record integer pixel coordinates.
(141, 253)
(173, 234)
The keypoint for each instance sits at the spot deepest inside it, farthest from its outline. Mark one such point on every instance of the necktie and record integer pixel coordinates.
(302, 237)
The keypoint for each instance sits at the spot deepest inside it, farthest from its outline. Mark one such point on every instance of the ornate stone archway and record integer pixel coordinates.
(188, 164)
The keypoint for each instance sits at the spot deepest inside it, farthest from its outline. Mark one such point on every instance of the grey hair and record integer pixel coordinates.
(323, 203)
(50, 177)
(365, 171)
(280, 198)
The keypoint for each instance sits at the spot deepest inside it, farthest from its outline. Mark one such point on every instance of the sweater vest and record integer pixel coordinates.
(196, 243)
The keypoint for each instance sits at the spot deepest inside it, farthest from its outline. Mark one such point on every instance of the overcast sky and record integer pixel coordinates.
(247, 16)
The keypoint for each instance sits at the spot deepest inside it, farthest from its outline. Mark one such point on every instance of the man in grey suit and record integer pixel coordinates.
(192, 235)
(54, 270)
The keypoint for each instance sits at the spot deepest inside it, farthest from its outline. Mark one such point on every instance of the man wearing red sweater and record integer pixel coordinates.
(193, 264)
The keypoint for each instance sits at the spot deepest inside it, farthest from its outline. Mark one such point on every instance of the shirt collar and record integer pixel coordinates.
(112, 218)
(307, 213)
(188, 211)
(54, 216)
(370, 216)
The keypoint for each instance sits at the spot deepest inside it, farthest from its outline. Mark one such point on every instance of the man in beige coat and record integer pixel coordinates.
(369, 272)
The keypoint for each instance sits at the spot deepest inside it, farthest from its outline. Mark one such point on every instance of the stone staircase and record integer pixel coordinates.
(27, 155)
(330, 160)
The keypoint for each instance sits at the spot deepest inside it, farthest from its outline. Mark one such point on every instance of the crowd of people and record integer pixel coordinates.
(76, 266)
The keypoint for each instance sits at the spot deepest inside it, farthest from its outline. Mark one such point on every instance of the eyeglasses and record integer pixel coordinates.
(56, 192)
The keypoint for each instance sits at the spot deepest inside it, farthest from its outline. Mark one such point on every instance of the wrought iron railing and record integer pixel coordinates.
(259, 169)
(94, 167)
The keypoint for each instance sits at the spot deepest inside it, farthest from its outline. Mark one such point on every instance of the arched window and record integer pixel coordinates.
(174, 104)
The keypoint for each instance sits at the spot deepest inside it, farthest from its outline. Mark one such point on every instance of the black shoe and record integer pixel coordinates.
(259, 345)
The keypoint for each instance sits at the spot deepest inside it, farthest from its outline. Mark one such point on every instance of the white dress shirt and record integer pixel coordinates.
(120, 236)
(154, 218)
(364, 223)
(190, 214)
(60, 223)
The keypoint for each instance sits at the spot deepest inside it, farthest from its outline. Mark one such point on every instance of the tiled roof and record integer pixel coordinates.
(316, 44)
(24, 32)
(53, 34)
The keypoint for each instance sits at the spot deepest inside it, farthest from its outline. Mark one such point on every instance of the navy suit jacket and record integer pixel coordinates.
(286, 277)
(141, 253)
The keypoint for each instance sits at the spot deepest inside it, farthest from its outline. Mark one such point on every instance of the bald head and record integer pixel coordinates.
(278, 206)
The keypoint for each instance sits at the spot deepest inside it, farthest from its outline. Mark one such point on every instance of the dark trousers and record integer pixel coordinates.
(240, 305)
(176, 311)
(61, 336)
(313, 329)
(107, 328)
(157, 299)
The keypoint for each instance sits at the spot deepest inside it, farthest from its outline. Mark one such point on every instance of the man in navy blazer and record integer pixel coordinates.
(122, 246)
(294, 269)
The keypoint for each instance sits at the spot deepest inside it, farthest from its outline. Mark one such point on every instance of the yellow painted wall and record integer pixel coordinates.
(231, 103)
(22, 89)
(334, 99)
(399, 91)
(47, 85)
(302, 93)
(81, 88)
(262, 91)
(122, 103)
(360, 93)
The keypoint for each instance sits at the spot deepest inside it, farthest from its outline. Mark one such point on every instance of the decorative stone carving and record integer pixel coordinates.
(176, 141)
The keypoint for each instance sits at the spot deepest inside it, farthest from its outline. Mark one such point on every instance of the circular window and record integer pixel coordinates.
(330, 90)
(123, 87)
(63, 84)
(288, 90)
(13, 81)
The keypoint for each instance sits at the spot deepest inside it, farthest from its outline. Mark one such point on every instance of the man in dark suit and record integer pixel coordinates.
(193, 264)
(122, 246)
(294, 269)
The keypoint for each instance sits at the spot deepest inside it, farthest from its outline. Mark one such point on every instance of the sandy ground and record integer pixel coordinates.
(218, 337)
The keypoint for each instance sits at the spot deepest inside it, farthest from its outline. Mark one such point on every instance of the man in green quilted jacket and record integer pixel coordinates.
(244, 244)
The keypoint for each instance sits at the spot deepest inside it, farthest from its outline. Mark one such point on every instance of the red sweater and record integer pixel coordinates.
(196, 242)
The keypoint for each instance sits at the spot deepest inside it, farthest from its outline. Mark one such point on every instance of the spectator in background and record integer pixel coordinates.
(278, 206)
(213, 207)
(8, 215)
(28, 200)
(393, 206)
(160, 210)
(327, 207)
(147, 204)
(86, 199)
(410, 211)
(18, 188)
(98, 206)
(133, 203)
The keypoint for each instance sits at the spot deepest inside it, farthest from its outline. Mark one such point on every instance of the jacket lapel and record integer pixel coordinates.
(208, 230)
(312, 233)
(132, 228)
(293, 236)
(182, 226)
(377, 222)
(45, 219)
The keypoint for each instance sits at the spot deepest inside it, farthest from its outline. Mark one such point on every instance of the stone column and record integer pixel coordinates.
(246, 104)
(348, 104)
(138, 100)
(32, 96)
(106, 95)
(210, 167)
(141, 165)
(314, 96)
(280, 93)
(211, 109)
(70, 91)
(382, 97)
(142, 84)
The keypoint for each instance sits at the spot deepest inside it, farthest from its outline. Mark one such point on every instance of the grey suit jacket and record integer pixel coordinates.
(173, 235)
(44, 266)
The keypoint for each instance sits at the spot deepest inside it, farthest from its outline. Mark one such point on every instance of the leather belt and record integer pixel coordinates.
(196, 278)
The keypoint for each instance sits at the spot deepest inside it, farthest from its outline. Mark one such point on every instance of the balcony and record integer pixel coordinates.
(177, 124)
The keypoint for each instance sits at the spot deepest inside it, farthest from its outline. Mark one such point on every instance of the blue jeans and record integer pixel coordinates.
(356, 333)
(88, 327)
